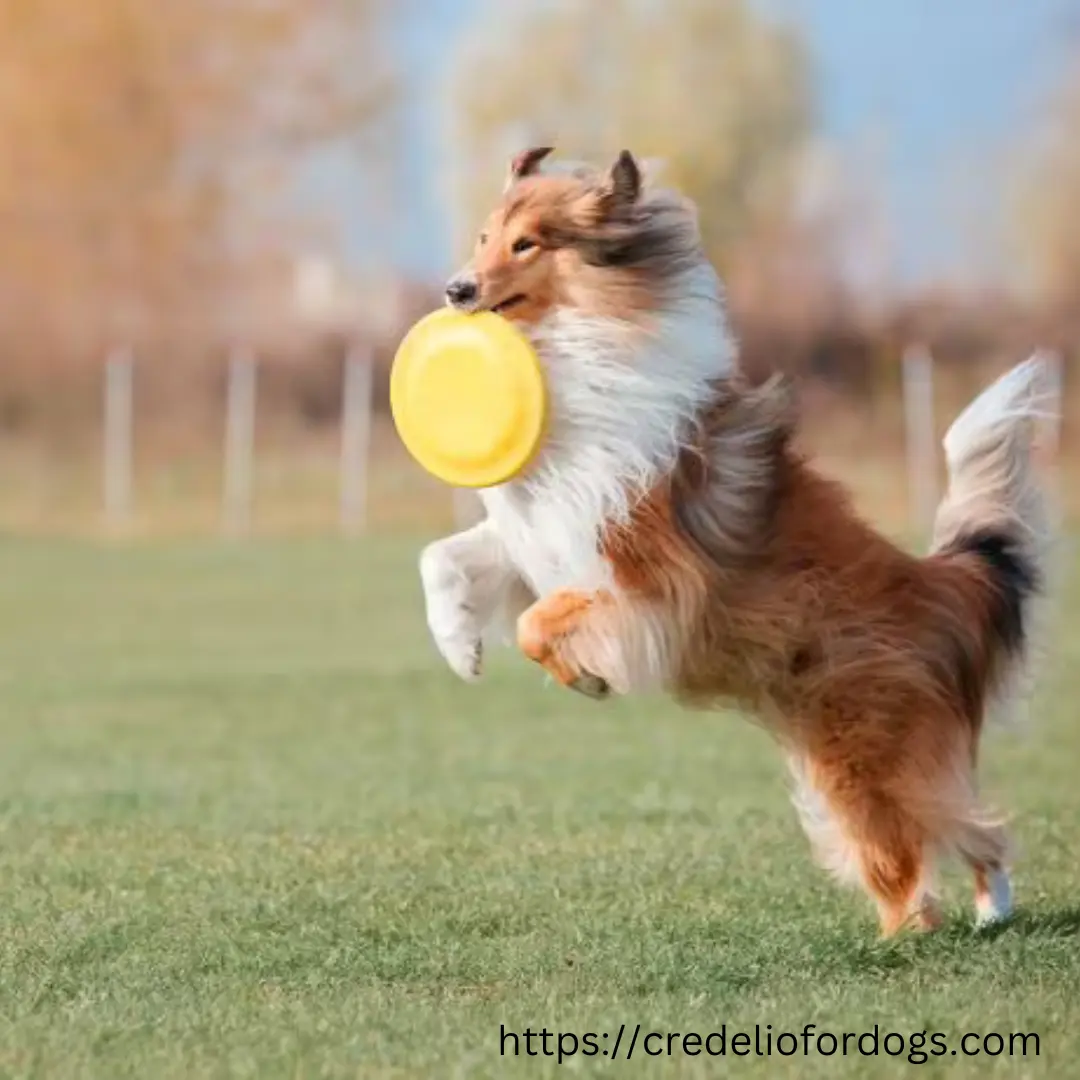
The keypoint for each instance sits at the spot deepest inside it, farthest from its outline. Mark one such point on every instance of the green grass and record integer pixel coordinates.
(250, 826)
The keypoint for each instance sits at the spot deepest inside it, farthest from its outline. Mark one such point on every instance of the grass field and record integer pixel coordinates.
(249, 826)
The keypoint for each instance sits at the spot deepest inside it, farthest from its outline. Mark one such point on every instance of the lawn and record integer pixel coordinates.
(250, 826)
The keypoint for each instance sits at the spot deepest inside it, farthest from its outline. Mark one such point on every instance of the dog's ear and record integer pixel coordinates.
(526, 163)
(620, 188)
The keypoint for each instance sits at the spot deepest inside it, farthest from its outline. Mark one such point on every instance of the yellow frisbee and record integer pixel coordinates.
(468, 397)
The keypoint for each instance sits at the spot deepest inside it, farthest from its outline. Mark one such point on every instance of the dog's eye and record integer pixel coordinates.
(483, 239)
(522, 244)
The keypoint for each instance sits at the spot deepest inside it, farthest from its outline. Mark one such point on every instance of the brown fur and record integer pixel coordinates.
(842, 643)
(593, 243)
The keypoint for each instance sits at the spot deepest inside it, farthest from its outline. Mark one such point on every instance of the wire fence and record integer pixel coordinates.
(356, 464)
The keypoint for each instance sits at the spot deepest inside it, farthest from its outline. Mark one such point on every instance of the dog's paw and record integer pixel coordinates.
(591, 686)
(465, 655)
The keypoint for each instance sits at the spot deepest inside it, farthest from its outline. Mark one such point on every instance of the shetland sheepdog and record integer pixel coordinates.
(670, 537)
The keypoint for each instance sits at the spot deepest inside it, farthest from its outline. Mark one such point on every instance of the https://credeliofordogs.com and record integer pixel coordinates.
(624, 1043)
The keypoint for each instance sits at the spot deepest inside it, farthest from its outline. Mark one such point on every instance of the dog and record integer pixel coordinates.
(670, 537)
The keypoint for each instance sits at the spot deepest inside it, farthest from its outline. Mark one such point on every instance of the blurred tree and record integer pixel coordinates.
(1049, 198)
(147, 145)
(717, 92)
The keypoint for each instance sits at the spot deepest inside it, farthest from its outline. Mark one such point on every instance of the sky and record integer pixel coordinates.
(943, 90)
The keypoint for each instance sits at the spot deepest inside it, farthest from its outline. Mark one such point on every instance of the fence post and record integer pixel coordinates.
(356, 407)
(919, 434)
(239, 443)
(118, 437)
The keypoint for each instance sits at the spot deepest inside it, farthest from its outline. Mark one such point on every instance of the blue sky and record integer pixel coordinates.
(943, 88)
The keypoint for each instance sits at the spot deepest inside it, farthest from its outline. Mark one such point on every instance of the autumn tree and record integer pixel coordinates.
(152, 150)
(1049, 198)
(716, 91)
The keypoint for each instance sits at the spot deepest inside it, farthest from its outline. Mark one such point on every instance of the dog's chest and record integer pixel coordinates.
(621, 398)
(551, 546)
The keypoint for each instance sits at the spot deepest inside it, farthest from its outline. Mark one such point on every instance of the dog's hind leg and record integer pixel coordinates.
(864, 836)
(993, 893)
(963, 827)
(891, 860)
(985, 849)
(885, 849)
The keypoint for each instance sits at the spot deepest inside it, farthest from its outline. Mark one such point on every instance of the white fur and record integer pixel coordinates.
(997, 903)
(621, 404)
(835, 853)
(465, 577)
(987, 450)
(622, 400)
(1010, 401)
(991, 481)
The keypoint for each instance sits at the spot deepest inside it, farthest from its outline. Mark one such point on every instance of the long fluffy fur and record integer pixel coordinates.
(994, 509)
(670, 536)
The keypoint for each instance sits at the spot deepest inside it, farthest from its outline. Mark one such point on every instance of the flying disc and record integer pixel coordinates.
(468, 397)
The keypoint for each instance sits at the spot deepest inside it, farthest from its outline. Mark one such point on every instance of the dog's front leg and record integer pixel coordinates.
(571, 633)
(467, 578)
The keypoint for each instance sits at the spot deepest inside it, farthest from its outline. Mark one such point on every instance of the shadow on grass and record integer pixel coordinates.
(1058, 923)
(957, 936)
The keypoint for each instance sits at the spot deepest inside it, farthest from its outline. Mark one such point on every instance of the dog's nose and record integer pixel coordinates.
(461, 292)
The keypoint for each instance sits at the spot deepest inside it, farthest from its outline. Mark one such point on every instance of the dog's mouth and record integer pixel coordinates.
(510, 302)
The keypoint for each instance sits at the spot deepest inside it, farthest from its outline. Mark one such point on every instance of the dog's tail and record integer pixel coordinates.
(995, 521)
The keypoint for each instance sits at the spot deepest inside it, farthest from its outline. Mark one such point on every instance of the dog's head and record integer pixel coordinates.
(595, 240)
